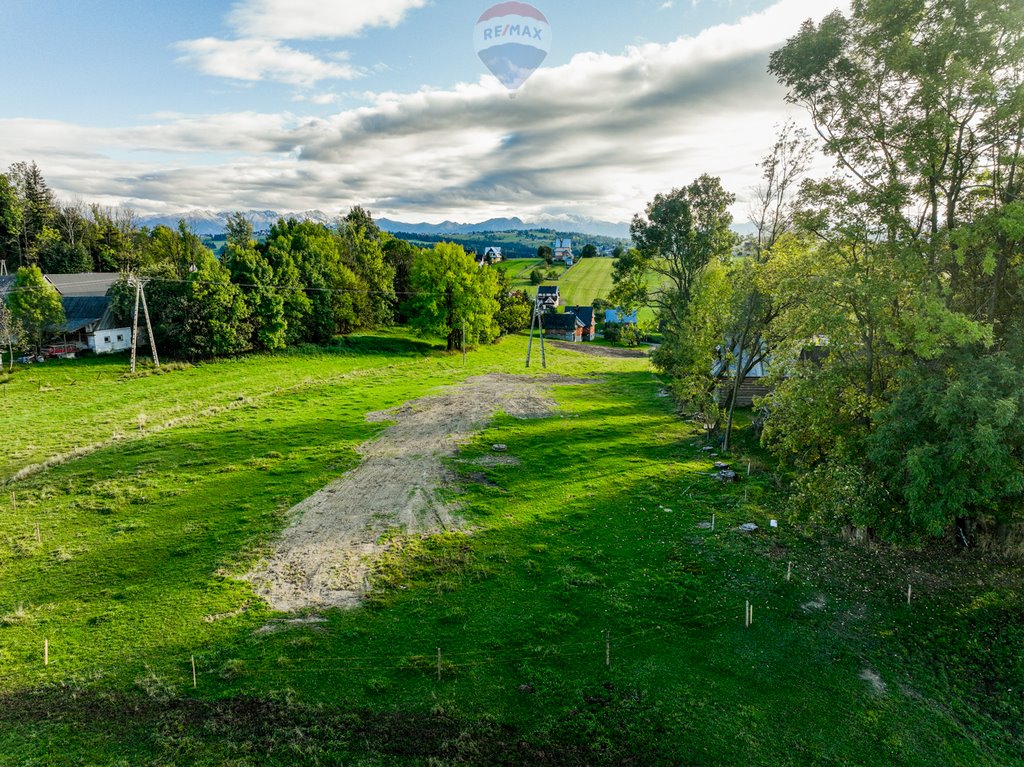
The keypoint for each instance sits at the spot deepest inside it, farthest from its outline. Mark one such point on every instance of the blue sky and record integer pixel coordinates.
(298, 104)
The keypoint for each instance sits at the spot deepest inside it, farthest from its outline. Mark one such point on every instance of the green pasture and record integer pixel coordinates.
(586, 616)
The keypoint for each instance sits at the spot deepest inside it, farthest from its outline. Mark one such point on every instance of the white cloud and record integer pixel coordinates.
(316, 19)
(255, 60)
(598, 136)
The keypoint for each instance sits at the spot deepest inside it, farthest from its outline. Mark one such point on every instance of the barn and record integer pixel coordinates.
(563, 327)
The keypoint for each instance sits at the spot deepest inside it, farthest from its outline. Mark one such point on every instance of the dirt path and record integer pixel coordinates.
(598, 351)
(324, 556)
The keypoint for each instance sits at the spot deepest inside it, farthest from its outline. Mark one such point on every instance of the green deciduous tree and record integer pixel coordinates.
(682, 234)
(913, 271)
(454, 294)
(35, 306)
(255, 278)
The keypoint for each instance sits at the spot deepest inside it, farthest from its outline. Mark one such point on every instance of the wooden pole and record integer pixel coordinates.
(748, 468)
(46, 652)
(533, 321)
(463, 343)
(712, 521)
(149, 327)
(789, 571)
(909, 590)
(746, 614)
(540, 333)
(194, 683)
(438, 664)
(135, 320)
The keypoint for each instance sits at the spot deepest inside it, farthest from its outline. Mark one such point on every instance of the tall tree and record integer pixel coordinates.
(37, 204)
(914, 277)
(681, 234)
(254, 276)
(11, 212)
(454, 297)
(748, 337)
(361, 247)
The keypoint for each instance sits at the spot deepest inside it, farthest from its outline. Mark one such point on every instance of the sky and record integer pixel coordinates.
(294, 105)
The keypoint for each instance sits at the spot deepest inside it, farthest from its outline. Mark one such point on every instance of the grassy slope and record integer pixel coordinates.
(595, 530)
(589, 279)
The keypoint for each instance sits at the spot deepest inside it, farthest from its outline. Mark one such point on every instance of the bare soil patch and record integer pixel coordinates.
(324, 556)
(598, 351)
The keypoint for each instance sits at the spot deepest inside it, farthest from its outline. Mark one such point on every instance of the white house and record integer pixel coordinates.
(562, 250)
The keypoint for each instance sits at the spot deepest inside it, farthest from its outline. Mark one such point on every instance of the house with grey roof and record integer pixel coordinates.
(88, 319)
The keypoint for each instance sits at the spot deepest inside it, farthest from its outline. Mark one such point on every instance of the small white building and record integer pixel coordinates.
(112, 340)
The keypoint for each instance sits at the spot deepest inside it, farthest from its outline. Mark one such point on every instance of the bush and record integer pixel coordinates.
(951, 443)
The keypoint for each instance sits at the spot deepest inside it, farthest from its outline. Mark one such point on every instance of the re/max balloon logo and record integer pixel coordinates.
(513, 30)
(512, 39)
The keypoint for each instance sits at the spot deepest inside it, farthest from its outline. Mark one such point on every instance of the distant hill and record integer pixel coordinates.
(211, 223)
(562, 224)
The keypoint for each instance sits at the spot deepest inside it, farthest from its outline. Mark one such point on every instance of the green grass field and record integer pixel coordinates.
(588, 551)
(589, 279)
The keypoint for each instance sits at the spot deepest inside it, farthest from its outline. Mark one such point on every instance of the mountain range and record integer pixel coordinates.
(205, 222)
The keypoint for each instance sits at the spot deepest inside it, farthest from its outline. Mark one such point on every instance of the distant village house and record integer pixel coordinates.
(548, 297)
(562, 251)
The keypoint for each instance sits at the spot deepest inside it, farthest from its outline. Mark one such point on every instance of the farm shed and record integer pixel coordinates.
(564, 327)
(89, 323)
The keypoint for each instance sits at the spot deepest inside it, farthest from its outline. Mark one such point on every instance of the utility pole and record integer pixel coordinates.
(140, 295)
(536, 320)
(149, 327)
(135, 318)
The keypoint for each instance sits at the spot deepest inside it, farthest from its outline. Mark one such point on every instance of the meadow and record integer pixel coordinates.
(586, 615)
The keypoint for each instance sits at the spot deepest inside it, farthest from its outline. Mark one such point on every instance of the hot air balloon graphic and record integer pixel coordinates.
(512, 39)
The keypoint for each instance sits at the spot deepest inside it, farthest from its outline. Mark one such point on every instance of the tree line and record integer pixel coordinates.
(888, 297)
(305, 283)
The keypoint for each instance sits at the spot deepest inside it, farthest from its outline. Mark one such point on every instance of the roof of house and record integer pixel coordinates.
(492, 249)
(617, 315)
(547, 290)
(566, 322)
(563, 243)
(585, 313)
(84, 284)
(80, 311)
